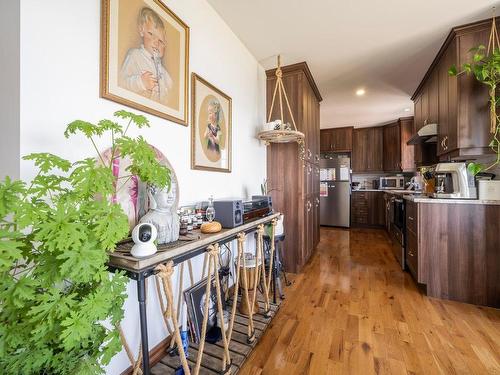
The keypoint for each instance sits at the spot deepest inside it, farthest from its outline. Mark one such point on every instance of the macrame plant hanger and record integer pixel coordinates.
(493, 44)
(282, 135)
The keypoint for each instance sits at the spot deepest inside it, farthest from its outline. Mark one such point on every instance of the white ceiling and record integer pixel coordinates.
(383, 46)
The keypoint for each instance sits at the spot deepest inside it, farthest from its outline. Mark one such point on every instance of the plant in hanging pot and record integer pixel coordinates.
(57, 298)
(485, 67)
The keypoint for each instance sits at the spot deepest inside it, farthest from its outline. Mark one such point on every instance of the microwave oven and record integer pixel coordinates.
(392, 183)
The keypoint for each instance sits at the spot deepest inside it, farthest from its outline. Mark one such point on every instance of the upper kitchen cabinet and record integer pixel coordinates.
(392, 147)
(336, 139)
(398, 156)
(459, 105)
(367, 149)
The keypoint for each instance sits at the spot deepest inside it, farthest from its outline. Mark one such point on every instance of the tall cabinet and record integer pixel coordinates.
(292, 179)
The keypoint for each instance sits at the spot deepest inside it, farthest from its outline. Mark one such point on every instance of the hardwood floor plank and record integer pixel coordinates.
(353, 311)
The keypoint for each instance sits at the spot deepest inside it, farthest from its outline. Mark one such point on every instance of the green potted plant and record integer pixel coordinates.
(59, 305)
(485, 67)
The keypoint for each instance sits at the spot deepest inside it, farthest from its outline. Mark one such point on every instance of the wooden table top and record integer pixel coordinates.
(122, 259)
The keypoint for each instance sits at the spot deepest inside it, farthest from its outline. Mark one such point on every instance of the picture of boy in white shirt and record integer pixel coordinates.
(142, 70)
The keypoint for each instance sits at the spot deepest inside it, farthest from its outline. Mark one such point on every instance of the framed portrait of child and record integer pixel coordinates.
(211, 125)
(145, 58)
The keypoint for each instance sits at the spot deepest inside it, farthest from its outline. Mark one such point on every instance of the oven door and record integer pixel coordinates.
(399, 214)
(396, 229)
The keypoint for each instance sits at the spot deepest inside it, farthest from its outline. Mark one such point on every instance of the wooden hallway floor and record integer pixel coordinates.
(353, 311)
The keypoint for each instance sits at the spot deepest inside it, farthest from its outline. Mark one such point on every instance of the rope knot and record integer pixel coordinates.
(213, 250)
(274, 222)
(241, 237)
(260, 229)
(165, 270)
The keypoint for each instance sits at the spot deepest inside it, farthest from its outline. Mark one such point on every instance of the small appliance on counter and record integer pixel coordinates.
(454, 181)
(489, 190)
(392, 183)
(415, 183)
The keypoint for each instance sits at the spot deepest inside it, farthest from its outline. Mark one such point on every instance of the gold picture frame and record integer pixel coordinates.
(211, 127)
(145, 58)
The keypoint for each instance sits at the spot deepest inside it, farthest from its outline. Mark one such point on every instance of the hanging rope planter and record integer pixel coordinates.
(493, 44)
(280, 131)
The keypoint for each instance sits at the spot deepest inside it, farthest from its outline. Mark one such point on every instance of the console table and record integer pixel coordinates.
(140, 268)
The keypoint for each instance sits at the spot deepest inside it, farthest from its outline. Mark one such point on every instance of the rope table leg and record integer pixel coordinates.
(164, 313)
(267, 278)
(251, 331)
(214, 255)
(241, 238)
(179, 300)
(165, 272)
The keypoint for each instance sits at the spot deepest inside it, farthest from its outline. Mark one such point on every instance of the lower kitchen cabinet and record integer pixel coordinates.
(368, 208)
(453, 249)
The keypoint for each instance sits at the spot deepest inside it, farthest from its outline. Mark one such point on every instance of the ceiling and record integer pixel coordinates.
(383, 46)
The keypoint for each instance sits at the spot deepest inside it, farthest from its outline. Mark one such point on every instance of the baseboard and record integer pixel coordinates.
(155, 354)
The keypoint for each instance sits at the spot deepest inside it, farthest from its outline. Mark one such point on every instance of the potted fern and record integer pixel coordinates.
(55, 236)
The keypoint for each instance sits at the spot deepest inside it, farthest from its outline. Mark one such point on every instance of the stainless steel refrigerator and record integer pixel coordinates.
(335, 191)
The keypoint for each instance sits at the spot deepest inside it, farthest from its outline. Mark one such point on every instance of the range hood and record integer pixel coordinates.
(426, 134)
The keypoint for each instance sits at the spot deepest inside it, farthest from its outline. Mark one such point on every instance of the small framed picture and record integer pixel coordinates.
(145, 58)
(195, 298)
(211, 127)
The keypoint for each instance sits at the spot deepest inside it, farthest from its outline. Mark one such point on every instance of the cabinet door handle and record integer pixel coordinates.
(410, 253)
(445, 143)
(410, 218)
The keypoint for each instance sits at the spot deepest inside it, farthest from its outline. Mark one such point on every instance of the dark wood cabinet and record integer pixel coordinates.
(459, 105)
(367, 149)
(407, 151)
(336, 139)
(368, 208)
(398, 156)
(325, 140)
(453, 249)
(294, 182)
(392, 147)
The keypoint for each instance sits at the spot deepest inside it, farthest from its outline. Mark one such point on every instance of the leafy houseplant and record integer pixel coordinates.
(55, 236)
(485, 67)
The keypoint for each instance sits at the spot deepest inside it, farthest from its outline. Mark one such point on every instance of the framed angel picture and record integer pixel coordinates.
(145, 58)
(210, 127)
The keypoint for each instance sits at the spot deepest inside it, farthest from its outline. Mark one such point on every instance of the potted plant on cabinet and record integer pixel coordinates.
(58, 303)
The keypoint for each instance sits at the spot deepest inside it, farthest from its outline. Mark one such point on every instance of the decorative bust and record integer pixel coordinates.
(163, 213)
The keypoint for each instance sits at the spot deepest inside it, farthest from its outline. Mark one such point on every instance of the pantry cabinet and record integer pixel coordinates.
(293, 177)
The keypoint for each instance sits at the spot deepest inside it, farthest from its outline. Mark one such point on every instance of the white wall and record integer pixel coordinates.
(9, 92)
(60, 83)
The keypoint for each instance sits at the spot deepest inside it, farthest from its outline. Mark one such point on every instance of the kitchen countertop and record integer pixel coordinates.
(420, 198)
(424, 199)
